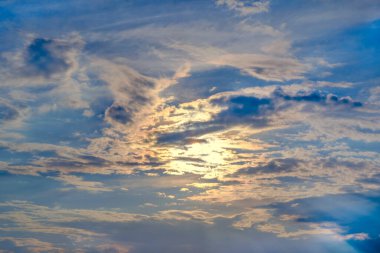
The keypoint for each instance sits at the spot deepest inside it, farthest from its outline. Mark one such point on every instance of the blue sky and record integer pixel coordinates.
(190, 126)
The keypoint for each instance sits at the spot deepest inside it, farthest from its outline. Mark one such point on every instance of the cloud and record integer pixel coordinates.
(313, 229)
(242, 106)
(251, 218)
(118, 113)
(275, 166)
(233, 163)
(246, 7)
(133, 93)
(81, 226)
(81, 184)
(16, 244)
(334, 84)
(327, 215)
(263, 66)
(317, 96)
(44, 57)
(268, 66)
(292, 178)
(7, 112)
(260, 108)
(110, 248)
(41, 76)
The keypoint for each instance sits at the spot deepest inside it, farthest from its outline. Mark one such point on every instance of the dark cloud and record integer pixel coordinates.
(316, 96)
(132, 92)
(255, 111)
(274, 166)
(189, 159)
(42, 57)
(190, 141)
(240, 110)
(7, 112)
(76, 162)
(243, 105)
(140, 172)
(243, 109)
(373, 180)
(46, 57)
(93, 160)
(138, 164)
(119, 114)
(9, 246)
(334, 162)
(291, 180)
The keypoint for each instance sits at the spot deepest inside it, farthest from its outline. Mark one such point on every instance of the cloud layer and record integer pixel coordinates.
(169, 127)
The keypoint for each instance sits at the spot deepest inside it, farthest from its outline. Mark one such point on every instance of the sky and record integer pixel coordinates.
(192, 126)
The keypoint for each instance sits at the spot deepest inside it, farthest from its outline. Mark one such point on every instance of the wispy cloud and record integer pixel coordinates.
(123, 123)
(244, 7)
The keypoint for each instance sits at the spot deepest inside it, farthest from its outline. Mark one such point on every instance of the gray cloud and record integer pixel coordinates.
(256, 111)
(118, 113)
(131, 90)
(244, 107)
(7, 112)
(274, 166)
(317, 96)
(73, 162)
(45, 57)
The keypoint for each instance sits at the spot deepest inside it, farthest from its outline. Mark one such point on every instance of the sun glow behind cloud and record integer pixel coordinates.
(168, 127)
